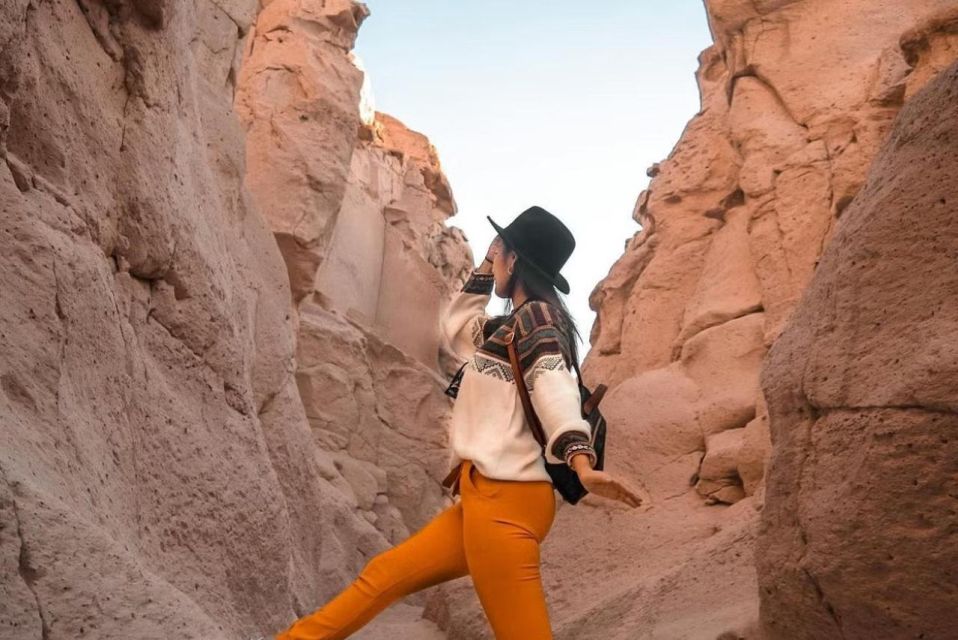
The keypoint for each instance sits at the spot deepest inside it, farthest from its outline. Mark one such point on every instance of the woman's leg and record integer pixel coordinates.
(504, 522)
(432, 555)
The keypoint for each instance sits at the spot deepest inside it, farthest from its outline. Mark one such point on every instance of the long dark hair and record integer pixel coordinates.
(539, 288)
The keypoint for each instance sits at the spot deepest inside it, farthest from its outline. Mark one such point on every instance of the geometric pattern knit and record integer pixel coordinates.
(566, 439)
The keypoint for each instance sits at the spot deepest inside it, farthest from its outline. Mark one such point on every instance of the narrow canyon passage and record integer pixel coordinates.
(222, 372)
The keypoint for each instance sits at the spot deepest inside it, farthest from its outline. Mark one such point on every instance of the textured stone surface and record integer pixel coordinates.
(358, 208)
(157, 473)
(366, 204)
(187, 454)
(298, 96)
(400, 622)
(391, 258)
(382, 416)
(858, 532)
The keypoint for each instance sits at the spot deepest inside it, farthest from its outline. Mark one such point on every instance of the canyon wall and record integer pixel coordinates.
(859, 524)
(217, 405)
(158, 473)
(358, 208)
(796, 98)
(357, 203)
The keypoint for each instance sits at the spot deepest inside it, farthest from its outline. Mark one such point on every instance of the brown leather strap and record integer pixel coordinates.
(531, 417)
(594, 399)
(451, 481)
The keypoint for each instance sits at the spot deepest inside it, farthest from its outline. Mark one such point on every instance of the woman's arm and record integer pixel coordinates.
(555, 396)
(466, 314)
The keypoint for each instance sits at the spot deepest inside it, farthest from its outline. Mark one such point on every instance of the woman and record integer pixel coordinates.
(507, 500)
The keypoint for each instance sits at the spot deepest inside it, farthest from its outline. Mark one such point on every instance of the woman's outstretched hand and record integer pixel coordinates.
(602, 484)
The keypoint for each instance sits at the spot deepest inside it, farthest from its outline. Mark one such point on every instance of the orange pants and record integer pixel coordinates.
(492, 534)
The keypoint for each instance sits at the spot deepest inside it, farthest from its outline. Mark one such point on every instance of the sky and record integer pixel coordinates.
(560, 103)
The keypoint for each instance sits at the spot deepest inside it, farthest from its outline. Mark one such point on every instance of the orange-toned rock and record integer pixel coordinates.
(298, 94)
(735, 219)
(858, 528)
(391, 258)
(358, 207)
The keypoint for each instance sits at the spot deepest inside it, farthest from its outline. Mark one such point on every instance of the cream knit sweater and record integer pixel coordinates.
(488, 423)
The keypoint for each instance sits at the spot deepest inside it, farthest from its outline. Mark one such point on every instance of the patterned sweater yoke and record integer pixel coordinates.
(540, 344)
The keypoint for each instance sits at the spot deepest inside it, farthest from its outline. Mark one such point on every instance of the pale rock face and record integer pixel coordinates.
(857, 534)
(380, 414)
(298, 95)
(391, 258)
(358, 209)
(157, 472)
(735, 219)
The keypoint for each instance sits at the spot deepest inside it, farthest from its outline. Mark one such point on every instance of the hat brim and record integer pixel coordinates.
(559, 281)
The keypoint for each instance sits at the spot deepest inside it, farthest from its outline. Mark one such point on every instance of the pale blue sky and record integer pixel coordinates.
(562, 103)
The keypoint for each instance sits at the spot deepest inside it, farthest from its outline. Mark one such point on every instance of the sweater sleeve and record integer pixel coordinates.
(553, 389)
(466, 314)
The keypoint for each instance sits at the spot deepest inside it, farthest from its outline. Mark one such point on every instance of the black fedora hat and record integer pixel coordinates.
(541, 241)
